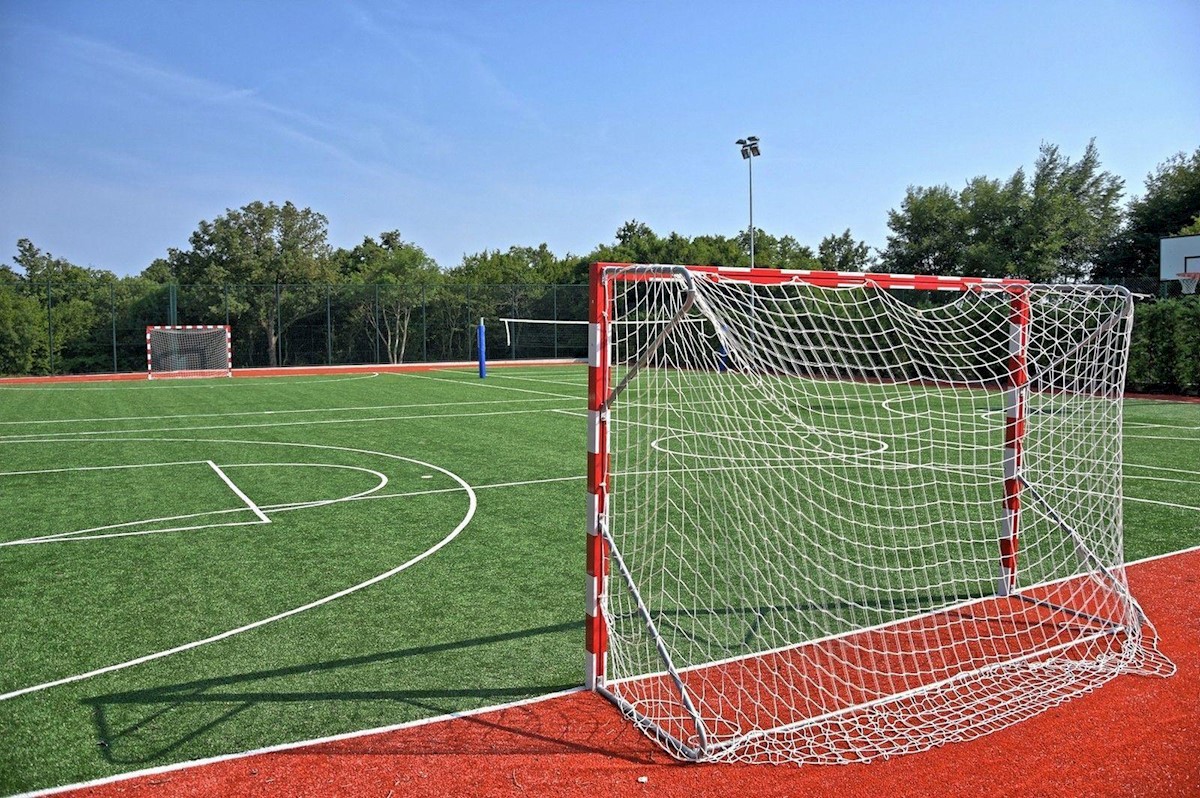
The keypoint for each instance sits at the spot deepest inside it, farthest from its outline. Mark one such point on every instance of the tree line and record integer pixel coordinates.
(1063, 220)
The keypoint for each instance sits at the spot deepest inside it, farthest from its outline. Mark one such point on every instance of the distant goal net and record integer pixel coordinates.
(834, 517)
(193, 350)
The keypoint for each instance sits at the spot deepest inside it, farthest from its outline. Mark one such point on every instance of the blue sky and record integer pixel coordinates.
(482, 125)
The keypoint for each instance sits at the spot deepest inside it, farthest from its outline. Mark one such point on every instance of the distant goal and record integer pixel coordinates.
(190, 350)
(834, 517)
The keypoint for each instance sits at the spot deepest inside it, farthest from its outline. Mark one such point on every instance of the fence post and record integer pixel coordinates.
(513, 331)
(172, 304)
(279, 324)
(328, 328)
(50, 323)
(554, 294)
(424, 329)
(112, 304)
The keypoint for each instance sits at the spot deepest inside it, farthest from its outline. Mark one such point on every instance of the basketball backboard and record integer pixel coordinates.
(1179, 255)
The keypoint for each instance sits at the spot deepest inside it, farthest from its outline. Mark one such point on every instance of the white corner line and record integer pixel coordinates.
(272, 749)
(253, 507)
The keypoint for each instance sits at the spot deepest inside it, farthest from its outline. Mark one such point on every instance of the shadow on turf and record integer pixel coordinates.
(169, 717)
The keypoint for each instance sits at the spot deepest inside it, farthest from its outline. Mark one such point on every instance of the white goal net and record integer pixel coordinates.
(188, 351)
(833, 519)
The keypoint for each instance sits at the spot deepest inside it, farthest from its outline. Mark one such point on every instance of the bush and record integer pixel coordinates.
(1165, 354)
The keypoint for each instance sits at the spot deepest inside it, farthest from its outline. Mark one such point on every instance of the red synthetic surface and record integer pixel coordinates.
(297, 371)
(1136, 736)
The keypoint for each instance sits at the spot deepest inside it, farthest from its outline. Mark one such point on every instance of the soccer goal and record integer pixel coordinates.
(192, 350)
(836, 516)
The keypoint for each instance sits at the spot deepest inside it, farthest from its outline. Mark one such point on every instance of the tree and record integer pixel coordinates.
(842, 253)
(1054, 226)
(259, 244)
(22, 327)
(1170, 206)
(928, 233)
(71, 301)
(404, 275)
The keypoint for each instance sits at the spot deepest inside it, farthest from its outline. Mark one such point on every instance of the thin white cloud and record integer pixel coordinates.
(178, 87)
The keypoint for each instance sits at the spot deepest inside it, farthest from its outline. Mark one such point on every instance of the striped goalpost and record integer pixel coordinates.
(189, 350)
(838, 516)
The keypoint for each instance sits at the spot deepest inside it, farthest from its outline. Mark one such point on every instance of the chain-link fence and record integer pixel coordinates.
(100, 326)
(95, 327)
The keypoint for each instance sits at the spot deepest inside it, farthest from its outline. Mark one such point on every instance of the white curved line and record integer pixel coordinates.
(275, 508)
(472, 505)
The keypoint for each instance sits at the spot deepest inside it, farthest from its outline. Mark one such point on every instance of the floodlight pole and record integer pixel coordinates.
(750, 150)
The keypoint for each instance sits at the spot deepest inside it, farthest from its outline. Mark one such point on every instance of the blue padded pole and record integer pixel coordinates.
(482, 350)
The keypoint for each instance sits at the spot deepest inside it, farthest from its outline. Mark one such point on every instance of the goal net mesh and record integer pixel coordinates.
(805, 503)
(188, 351)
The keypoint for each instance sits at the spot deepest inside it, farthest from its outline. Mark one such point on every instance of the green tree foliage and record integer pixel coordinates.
(1164, 354)
(405, 277)
(280, 248)
(1053, 226)
(1170, 206)
(22, 328)
(843, 253)
(72, 301)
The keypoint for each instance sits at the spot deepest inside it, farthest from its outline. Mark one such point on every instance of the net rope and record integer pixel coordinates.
(196, 352)
(806, 494)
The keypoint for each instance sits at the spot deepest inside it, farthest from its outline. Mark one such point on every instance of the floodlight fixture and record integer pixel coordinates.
(750, 149)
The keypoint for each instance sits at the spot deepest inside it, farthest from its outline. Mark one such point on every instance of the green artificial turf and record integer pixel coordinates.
(494, 616)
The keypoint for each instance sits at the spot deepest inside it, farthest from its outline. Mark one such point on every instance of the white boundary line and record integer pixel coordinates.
(271, 749)
(274, 412)
(377, 730)
(50, 437)
(254, 508)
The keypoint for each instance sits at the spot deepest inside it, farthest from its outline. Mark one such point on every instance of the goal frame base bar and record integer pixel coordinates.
(225, 370)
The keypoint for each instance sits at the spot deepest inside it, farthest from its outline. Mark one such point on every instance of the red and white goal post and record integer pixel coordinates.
(837, 516)
(189, 350)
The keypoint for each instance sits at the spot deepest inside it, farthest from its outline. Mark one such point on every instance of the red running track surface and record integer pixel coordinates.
(1136, 736)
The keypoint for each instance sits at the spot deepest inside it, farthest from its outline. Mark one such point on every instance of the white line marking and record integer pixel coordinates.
(1164, 468)
(48, 437)
(64, 537)
(69, 537)
(1164, 504)
(240, 494)
(99, 468)
(272, 749)
(478, 383)
(377, 730)
(1161, 479)
(1163, 438)
(275, 412)
(472, 505)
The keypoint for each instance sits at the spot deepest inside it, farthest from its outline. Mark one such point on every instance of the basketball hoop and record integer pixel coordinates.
(1188, 281)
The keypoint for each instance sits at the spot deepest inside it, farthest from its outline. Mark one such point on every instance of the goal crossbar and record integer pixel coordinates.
(816, 512)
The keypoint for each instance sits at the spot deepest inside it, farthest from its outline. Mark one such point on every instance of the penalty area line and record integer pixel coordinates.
(254, 508)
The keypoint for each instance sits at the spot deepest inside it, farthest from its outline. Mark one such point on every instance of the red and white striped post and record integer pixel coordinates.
(596, 628)
(1015, 397)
